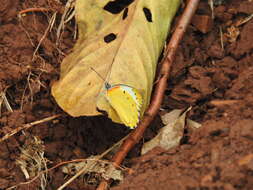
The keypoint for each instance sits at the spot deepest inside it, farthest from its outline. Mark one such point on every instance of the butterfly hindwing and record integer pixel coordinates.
(127, 102)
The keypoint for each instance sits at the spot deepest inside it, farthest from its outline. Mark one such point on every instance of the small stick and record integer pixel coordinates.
(160, 87)
(224, 102)
(3, 99)
(27, 126)
(35, 9)
(247, 19)
(221, 39)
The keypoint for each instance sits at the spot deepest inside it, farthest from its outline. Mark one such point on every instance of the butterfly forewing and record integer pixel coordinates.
(127, 102)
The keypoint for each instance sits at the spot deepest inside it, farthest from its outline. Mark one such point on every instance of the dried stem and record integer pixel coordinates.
(160, 87)
(27, 126)
(35, 9)
(50, 26)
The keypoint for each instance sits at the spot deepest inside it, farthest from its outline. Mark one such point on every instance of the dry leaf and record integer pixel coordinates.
(122, 43)
(95, 165)
(170, 135)
(193, 124)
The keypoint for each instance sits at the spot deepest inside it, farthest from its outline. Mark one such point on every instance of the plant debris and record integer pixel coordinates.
(171, 134)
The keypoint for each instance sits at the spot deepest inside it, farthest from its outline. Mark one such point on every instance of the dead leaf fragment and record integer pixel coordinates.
(95, 165)
(170, 135)
(193, 124)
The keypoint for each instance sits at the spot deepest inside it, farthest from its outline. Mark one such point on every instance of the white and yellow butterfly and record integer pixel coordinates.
(126, 101)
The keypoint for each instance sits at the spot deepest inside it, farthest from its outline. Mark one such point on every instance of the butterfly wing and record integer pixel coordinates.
(127, 102)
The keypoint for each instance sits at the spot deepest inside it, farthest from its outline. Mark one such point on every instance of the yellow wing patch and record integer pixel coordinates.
(127, 102)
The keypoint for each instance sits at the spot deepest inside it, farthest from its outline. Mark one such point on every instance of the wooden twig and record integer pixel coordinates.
(247, 19)
(160, 87)
(27, 126)
(221, 39)
(35, 9)
(224, 102)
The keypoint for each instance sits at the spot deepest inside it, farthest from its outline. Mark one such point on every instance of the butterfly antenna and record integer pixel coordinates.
(98, 74)
(107, 85)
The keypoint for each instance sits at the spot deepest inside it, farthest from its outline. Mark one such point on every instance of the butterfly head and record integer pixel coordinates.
(107, 86)
(125, 100)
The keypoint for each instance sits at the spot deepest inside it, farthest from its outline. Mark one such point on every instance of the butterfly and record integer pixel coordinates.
(126, 101)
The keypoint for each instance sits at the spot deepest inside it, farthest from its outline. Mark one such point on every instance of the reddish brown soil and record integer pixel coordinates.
(218, 156)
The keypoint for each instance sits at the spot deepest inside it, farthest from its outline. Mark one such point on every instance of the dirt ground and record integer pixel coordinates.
(213, 73)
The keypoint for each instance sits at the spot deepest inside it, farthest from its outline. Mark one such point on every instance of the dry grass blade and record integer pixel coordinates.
(1, 101)
(4, 100)
(7, 104)
(221, 39)
(32, 160)
(50, 26)
(33, 85)
(247, 19)
(27, 126)
(68, 14)
(211, 4)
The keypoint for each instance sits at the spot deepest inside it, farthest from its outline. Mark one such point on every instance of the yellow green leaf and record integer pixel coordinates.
(122, 43)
